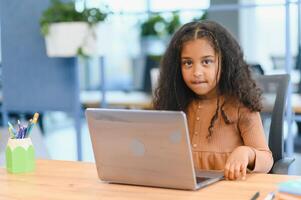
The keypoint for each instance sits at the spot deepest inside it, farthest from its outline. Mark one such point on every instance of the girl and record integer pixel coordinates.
(203, 74)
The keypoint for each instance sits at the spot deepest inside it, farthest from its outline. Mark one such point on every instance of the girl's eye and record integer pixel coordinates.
(207, 61)
(187, 63)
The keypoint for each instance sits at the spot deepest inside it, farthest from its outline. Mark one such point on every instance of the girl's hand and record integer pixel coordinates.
(236, 165)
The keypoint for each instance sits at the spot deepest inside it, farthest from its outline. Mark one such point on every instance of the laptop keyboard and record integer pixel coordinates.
(201, 179)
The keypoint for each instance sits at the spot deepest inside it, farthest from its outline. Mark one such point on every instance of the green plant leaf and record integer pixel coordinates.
(174, 23)
(148, 28)
(204, 16)
(66, 12)
(156, 25)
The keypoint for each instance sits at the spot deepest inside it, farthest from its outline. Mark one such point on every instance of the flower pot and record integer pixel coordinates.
(20, 156)
(152, 45)
(65, 38)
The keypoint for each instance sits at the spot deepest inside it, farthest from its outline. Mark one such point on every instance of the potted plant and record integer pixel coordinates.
(153, 26)
(204, 16)
(155, 34)
(173, 23)
(69, 32)
(151, 31)
(156, 31)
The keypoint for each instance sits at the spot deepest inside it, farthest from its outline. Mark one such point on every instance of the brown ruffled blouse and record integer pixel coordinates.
(245, 129)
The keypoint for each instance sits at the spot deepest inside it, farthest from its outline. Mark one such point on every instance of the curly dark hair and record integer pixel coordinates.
(235, 78)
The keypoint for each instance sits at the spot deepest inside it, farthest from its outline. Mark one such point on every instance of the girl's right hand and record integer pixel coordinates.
(237, 163)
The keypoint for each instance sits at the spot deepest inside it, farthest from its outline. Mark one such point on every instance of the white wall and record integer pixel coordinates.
(262, 32)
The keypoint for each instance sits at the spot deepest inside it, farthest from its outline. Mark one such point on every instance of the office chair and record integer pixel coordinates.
(154, 74)
(151, 63)
(279, 61)
(274, 88)
(256, 68)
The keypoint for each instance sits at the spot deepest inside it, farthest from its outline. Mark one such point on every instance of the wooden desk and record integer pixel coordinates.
(75, 180)
(296, 103)
(139, 100)
(143, 100)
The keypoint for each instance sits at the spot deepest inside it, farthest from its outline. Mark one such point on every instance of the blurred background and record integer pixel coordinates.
(114, 63)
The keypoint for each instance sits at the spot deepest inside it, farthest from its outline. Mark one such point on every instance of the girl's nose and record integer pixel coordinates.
(198, 71)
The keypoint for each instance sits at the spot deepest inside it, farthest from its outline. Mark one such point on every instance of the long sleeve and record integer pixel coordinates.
(252, 133)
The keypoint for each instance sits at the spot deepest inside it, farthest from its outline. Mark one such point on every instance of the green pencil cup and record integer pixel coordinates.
(20, 156)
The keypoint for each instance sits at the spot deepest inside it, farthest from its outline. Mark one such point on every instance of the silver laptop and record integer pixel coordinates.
(149, 148)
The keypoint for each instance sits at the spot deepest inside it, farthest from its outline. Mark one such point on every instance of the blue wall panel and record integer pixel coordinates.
(31, 80)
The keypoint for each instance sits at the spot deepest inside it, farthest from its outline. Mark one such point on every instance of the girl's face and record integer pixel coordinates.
(200, 68)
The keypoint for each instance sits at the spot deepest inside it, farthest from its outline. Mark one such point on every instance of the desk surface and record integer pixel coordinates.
(143, 100)
(76, 180)
(117, 98)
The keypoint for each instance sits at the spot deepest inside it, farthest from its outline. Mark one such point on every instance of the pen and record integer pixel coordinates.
(19, 135)
(270, 196)
(255, 196)
(11, 133)
(22, 132)
(35, 118)
(25, 131)
(28, 127)
(19, 124)
(32, 123)
(12, 128)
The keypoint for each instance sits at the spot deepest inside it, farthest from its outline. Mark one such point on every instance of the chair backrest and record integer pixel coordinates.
(274, 88)
(256, 68)
(279, 61)
(154, 78)
(151, 62)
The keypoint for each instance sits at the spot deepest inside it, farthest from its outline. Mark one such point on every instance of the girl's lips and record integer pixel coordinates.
(198, 82)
